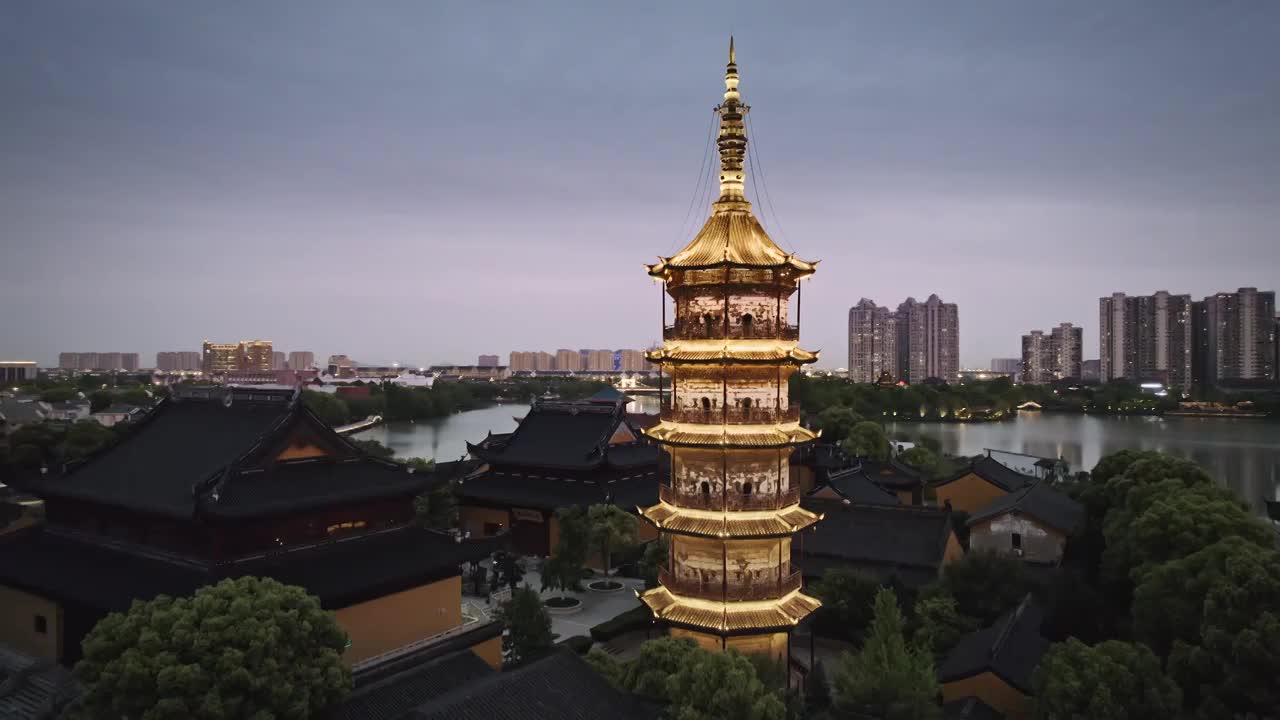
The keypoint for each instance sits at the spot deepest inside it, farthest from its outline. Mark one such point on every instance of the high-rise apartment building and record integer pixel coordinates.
(1006, 365)
(597, 360)
(1235, 337)
(568, 360)
(278, 360)
(928, 340)
(1067, 345)
(1037, 358)
(302, 360)
(873, 342)
(98, 361)
(1091, 370)
(178, 361)
(245, 356)
(487, 361)
(633, 361)
(1146, 338)
(1055, 356)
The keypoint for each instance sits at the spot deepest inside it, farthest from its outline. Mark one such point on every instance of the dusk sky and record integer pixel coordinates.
(425, 181)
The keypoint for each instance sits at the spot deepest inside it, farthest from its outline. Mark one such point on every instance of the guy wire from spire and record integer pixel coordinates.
(704, 172)
(752, 142)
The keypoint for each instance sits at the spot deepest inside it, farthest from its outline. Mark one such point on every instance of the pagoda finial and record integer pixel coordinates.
(733, 135)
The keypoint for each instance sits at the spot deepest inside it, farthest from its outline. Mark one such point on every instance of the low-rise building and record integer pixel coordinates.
(996, 664)
(225, 482)
(984, 481)
(13, 372)
(69, 410)
(889, 542)
(15, 412)
(562, 454)
(116, 414)
(1033, 523)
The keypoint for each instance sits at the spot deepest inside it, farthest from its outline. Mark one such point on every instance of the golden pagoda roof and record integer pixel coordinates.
(736, 524)
(716, 351)
(732, 235)
(722, 617)
(744, 436)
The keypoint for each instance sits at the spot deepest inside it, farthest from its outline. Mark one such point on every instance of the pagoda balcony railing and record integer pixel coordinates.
(732, 501)
(760, 588)
(717, 331)
(733, 415)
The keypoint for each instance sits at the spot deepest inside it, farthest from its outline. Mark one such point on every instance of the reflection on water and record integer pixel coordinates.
(1243, 454)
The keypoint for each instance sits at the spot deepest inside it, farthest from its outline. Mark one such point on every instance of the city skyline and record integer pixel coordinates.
(139, 140)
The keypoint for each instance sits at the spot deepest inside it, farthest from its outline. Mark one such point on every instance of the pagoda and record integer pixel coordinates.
(730, 512)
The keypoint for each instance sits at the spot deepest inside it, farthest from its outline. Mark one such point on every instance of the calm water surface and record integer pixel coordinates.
(1243, 454)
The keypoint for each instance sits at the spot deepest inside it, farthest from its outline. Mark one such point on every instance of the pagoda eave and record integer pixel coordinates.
(734, 436)
(753, 525)
(667, 266)
(679, 354)
(728, 619)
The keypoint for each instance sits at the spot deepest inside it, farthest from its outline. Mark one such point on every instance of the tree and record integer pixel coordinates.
(721, 686)
(84, 438)
(527, 627)
(985, 584)
(566, 567)
(867, 440)
(939, 624)
(817, 696)
(1113, 680)
(374, 448)
(58, 394)
(611, 527)
(657, 661)
(887, 678)
(847, 597)
(437, 508)
(1178, 522)
(100, 400)
(244, 648)
(330, 408)
(836, 422)
(921, 459)
(656, 554)
(1215, 616)
(506, 570)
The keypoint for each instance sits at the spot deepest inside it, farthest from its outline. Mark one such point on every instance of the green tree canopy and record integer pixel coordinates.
(939, 624)
(1113, 680)
(612, 528)
(836, 422)
(847, 603)
(244, 648)
(100, 400)
(437, 508)
(567, 565)
(656, 555)
(1215, 615)
(985, 584)
(528, 627)
(921, 459)
(867, 440)
(887, 678)
(1179, 521)
(84, 438)
(330, 408)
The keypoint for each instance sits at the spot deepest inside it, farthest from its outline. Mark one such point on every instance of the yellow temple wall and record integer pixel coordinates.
(395, 620)
(773, 645)
(18, 624)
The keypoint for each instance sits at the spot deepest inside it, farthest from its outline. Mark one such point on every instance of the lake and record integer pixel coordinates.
(1243, 454)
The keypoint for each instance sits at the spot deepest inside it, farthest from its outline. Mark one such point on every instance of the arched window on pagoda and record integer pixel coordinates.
(709, 324)
(747, 322)
(746, 489)
(706, 404)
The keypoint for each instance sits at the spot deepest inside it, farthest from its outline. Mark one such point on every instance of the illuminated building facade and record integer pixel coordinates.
(730, 512)
(244, 356)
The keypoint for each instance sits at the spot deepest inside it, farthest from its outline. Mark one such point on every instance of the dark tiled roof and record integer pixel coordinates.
(883, 540)
(1040, 501)
(559, 687)
(33, 689)
(157, 465)
(1011, 649)
(394, 697)
(68, 568)
(534, 490)
(608, 394)
(298, 485)
(854, 485)
(556, 435)
(994, 472)
(633, 455)
(970, 708)
(892, 474)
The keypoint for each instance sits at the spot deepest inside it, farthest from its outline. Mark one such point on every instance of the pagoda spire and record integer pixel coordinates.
(733, 136)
